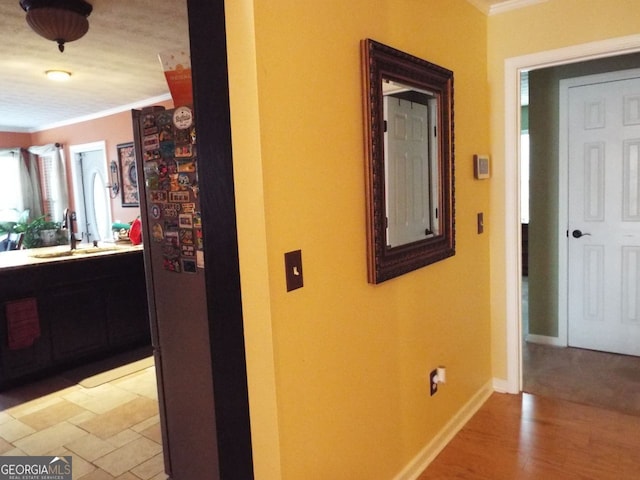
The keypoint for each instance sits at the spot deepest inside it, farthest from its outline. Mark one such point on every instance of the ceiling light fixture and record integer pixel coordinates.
(58, 20)
(58, 75)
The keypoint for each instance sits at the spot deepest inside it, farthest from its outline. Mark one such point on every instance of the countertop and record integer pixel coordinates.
(34, 257)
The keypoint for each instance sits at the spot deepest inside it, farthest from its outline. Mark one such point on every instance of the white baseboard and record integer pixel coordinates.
(501, 385)
(544, 340)
(421, 461)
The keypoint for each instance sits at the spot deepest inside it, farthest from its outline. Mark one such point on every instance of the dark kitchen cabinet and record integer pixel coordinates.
(126, 311)
(77, 320)
(88, 308)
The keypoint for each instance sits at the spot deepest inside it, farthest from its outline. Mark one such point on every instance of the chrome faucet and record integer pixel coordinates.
(69, 217)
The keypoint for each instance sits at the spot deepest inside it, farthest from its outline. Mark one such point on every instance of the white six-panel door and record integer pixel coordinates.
(604, 216)
(408, 175)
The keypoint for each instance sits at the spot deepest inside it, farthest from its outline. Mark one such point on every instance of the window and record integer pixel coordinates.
(49, 194)
(53, 180)
(524, 148)
(524, 177)
(11, 188)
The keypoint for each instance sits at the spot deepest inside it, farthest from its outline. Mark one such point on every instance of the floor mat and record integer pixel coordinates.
(116, 373)
(117, 366)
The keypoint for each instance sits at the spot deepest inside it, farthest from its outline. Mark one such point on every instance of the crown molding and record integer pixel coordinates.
(104, 113)
(508, 5)
(494, 7)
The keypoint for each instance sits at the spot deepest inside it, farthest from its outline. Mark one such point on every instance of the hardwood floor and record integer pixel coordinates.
(532, 437)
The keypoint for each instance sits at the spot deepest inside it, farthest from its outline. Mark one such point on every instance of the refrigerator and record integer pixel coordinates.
(167, 178)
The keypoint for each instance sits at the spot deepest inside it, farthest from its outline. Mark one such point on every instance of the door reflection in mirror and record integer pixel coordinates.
(411, 163)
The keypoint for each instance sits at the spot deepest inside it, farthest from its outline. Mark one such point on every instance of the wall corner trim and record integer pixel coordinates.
(429, 452)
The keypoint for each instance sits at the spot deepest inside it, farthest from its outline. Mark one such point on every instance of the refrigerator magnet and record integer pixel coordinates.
(184, 151)
(171, 210)
(178, 196)
(151, 142)
(151, 155)
(155, 211)
(166, 149)
(157, 233)
(163, 170)
(185, 220)
(186, 237)
(171, 264)
(166, 133)
(184, 181)
(188, 208)
(189, 266)
(182, 118)
(164, 119)
(149, 120)
(158, 196)
(188, 166)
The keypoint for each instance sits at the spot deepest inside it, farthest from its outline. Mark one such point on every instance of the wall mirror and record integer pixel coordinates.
(408, 113)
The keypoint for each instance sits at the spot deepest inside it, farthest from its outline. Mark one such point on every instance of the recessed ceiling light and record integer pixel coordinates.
(58, 75)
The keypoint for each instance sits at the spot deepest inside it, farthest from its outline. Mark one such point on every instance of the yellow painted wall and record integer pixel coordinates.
(338, 370)
(546, 26)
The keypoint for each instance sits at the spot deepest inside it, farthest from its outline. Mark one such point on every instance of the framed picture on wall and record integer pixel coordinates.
(127, 160)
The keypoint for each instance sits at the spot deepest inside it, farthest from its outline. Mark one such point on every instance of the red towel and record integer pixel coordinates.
(23, 324)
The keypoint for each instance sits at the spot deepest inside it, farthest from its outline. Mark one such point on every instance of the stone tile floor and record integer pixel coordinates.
(111, 430)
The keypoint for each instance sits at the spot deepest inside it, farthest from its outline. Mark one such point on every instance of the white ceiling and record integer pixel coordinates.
(115, 65)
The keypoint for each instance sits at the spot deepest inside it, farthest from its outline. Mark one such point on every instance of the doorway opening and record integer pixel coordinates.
(91, 192)
(515, 69)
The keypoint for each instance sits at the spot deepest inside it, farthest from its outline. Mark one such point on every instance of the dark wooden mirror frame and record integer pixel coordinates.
(381, 62)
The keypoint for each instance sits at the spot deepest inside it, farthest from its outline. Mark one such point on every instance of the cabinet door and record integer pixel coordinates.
(76, 315)
(127, 317)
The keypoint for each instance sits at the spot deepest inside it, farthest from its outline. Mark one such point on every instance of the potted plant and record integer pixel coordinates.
(38, 232)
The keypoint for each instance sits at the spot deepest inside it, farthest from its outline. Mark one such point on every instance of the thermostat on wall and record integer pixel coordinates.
(481, 166)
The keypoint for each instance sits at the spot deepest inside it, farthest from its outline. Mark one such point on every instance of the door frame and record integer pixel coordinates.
(513, 249)
(74, 161)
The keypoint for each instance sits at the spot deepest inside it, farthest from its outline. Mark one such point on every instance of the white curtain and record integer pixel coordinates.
(28, 180)
(58, 193)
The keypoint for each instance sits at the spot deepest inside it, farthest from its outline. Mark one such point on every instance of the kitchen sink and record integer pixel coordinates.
(89, 250)
(78, 251)
(65, 253)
